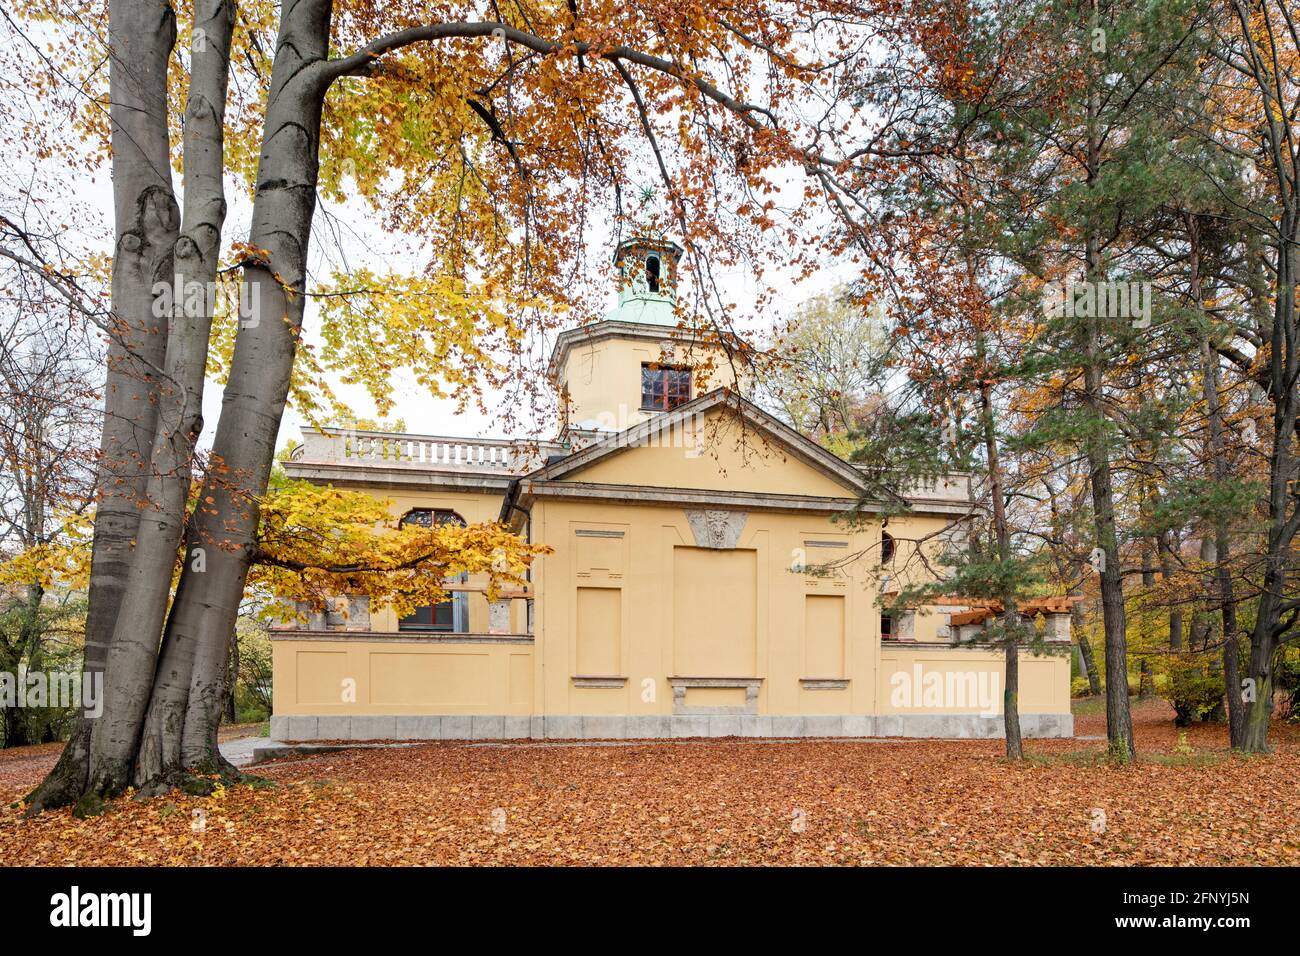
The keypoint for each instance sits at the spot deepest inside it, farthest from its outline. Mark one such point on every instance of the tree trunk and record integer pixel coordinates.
(141, 35)
(1011, 696)
(232, 679)
(1165, 548)
(1085, 646)
(197, 253)
(258, 386)
(1283, 517)
(1254, 736)
(1277, 140)
(1221, 468)
(1146, 679)
(1119, 721)
(1010, 614)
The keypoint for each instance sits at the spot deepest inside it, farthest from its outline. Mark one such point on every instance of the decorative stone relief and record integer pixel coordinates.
(344, 613)
(599, 682)
(824, 683)
(1057, 627)
(681, 685)
(905, 625)
(499, 616)
(716, 528)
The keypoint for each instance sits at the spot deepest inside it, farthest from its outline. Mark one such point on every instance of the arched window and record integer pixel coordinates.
(451, 615)
(887, 547)
(652, 275)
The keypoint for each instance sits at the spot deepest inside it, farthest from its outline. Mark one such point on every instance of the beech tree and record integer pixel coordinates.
(493, 133)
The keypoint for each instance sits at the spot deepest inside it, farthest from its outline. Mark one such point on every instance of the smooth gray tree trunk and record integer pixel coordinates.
(258, 386)
(141, 36)
(197, 253)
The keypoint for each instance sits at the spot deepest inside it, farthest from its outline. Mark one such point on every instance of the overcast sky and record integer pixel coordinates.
(347, 237)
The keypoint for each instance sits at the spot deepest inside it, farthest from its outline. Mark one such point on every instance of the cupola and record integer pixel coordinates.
(647, 281)
(636, 362)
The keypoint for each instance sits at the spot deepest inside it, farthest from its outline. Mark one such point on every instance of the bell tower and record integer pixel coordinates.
(647, 273)
(635, 363)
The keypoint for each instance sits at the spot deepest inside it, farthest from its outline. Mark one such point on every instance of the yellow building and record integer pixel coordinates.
(677, 602)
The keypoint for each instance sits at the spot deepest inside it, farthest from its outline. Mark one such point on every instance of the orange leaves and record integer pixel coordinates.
(707, 803)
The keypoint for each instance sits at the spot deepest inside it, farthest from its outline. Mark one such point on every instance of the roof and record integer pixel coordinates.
(649, 242)
(557, 477)
(981, 609)
(805, 449)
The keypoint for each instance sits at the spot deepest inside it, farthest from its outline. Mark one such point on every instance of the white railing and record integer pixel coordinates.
(952, 487)
(435, 452)
(955, 486)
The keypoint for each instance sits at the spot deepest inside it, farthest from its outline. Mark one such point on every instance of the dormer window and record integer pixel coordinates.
(652, 276)
(664, 387)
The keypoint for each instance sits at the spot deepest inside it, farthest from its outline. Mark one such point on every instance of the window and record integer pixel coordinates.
(449, 615)
(886, 627)
(652, 276)
(664, 387)
(887, 547)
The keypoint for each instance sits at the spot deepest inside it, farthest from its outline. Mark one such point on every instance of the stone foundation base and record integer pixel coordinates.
(638, 727)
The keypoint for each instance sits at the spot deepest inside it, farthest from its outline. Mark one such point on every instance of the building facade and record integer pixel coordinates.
(704, 581)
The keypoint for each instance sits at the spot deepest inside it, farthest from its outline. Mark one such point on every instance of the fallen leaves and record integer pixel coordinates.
(706, 803)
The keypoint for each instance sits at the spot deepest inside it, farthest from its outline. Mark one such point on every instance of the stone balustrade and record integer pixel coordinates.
(432, 452)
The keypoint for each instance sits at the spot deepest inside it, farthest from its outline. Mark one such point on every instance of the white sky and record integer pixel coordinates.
(367, 245)
(425, 414)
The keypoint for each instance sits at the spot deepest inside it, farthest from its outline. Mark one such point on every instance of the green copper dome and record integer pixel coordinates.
(648, 274)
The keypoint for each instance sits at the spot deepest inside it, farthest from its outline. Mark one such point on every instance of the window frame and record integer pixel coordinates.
(654, 280)
(425, 618)
(670, 392)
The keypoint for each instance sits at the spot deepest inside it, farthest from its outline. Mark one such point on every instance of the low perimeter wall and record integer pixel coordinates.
(366, 686)
(639, 727)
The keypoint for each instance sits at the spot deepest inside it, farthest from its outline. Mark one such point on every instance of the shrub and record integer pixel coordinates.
(1193, 684)
(1287, 676)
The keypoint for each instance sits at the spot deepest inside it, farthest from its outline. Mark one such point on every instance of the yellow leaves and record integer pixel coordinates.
(453, 338)
(64, 561)
(717, 802)
(321, 541)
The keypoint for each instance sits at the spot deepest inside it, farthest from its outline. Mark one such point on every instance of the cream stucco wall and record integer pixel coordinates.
(674, 600)
(602, 377)
(632, 600)
(649, 606)
(905, 680)
(353, 675)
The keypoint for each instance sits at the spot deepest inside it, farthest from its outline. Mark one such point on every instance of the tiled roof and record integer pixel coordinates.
(981, 609)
